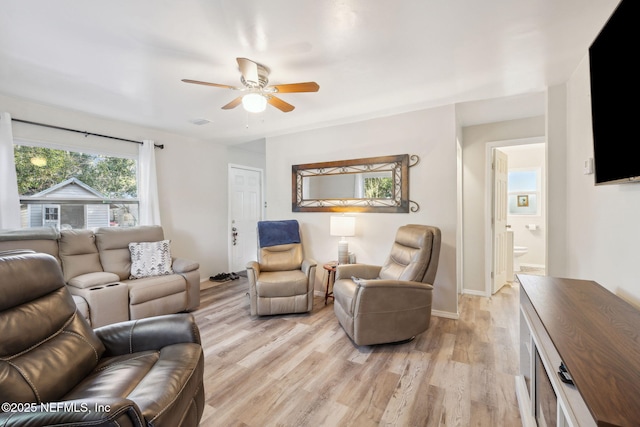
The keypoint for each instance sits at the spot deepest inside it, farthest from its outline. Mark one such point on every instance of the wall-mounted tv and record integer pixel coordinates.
(614, 97)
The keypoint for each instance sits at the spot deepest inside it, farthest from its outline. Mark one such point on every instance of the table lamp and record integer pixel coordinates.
(343, 226)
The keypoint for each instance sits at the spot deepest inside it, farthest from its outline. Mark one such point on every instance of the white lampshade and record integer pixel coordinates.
(343, 226)
(254, 102)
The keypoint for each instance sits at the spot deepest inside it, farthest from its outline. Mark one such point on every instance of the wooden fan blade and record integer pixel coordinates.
(249, 70)
(297, 87)
(208, 84)
(233, 104)
(280, 104)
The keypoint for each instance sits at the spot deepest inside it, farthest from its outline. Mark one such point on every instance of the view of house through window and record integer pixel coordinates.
(69, 189)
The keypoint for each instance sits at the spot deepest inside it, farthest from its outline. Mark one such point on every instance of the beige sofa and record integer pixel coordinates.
(97, 267)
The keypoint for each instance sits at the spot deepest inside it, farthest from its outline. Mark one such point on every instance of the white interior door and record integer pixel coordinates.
(499, 215)
(245, 210)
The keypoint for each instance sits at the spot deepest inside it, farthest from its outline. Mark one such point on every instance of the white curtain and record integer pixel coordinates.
(358, 191)
(148, 185)
(9, 198)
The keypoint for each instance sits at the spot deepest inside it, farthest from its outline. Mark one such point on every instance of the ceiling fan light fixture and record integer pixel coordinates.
(255, 80)
(254, 102)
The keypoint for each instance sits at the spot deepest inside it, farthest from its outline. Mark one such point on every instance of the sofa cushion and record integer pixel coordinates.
(410, 254)
(113, 246)
(150, 259)
(78, 253)
(152, 288)
(32, 233)
(160, 382)
(38, 239)
(282, 284)
(281, 257)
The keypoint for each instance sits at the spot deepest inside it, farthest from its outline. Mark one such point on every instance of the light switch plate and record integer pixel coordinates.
(588, 166)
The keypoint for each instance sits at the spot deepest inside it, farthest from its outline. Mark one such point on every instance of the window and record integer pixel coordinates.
(71, 189)
(50, 214)
(380, 187)
(524, 192)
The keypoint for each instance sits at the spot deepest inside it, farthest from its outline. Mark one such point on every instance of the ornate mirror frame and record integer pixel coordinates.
(397, 165)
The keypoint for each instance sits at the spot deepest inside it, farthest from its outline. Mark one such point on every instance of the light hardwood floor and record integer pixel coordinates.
(303, 370)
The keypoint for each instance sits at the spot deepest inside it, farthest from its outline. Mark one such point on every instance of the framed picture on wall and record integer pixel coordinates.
(523, 201)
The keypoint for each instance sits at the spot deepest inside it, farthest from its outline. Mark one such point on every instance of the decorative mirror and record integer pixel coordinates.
(374, 184)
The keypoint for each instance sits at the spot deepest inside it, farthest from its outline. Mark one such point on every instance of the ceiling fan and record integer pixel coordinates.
(254, 78)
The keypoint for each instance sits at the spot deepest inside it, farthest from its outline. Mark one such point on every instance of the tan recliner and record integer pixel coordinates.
(56, 370)
(390, 303)
(282, 280)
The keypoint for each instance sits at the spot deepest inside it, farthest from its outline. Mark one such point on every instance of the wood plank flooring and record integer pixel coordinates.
(303, 370)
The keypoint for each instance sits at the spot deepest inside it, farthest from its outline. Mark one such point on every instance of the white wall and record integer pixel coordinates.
(430, 134)
(602, 228)
(474, 142)
(556, 181)
(192, 175)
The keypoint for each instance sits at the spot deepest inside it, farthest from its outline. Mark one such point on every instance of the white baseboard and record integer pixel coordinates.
(474, 292)
(539, 266)
(445, 314)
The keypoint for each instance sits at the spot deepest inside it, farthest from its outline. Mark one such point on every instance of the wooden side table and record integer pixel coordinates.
(330, 269)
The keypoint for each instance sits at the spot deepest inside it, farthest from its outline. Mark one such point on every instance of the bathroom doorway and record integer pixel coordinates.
(525, 237)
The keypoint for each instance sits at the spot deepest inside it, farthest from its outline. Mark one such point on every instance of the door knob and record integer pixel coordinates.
(234, 236)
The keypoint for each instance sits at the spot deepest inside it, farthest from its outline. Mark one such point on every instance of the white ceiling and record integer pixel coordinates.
(124, 59)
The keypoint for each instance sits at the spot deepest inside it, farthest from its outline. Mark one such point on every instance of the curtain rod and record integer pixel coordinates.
(160, 146)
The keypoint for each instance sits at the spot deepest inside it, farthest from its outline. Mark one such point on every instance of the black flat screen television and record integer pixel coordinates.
(614, 97)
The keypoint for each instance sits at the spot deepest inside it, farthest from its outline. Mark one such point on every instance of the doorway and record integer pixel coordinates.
(521, 221)
(245, 210)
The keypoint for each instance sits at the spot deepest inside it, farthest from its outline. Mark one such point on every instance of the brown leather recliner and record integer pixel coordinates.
(56, 370)
(282, 280)
(390, 303)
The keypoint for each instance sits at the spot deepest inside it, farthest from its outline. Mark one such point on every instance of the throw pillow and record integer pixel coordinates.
(150, 259)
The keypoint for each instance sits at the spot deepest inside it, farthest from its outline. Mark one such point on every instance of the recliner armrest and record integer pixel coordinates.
(152, 333)
(77, 413)
(89, 280)
(362, 271)
(307, 264)
(182, 265)
(253, 267)
(372, 296)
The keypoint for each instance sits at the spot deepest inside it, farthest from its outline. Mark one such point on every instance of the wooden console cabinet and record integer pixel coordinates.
(597, 337)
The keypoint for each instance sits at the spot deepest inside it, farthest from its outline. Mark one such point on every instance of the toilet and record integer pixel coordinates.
(518, 251)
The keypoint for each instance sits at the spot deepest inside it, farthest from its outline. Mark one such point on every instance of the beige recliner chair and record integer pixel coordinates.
(390, 303)
(56, 370)
(282, 280)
